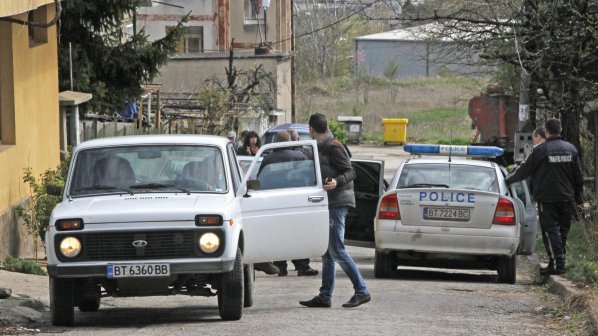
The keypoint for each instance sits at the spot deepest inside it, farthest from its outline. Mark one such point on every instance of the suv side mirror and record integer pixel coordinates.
(253, 184)
(53, 190)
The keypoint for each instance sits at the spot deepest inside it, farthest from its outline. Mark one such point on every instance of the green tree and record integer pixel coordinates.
(391, 72)
(555, 42)
(106, 62)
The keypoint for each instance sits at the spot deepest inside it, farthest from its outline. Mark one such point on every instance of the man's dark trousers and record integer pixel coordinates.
(555, 221)
(300, 264)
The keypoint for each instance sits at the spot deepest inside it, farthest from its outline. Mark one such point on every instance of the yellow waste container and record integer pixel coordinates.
(395, 130)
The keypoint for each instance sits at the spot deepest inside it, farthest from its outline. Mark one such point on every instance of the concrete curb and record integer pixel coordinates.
(576, 299)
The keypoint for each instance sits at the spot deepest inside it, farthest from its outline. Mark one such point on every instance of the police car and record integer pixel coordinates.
(451, 212)
(167, 215)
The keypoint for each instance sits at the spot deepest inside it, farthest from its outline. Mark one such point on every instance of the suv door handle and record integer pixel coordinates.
(315, 199)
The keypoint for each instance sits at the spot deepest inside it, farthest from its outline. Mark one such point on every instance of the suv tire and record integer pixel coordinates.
(230, 293)
(248, 278)
(62, 299)
(507, 270)
(384, 265)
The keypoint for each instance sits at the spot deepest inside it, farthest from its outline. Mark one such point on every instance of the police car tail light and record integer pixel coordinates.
(505, 212)
(389, 208)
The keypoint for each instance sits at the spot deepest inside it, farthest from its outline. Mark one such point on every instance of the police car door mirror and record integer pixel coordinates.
(251, 185)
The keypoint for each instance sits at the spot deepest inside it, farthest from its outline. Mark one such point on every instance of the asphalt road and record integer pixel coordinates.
(415, 302)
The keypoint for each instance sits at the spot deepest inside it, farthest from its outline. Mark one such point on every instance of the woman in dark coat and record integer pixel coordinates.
(251, 144)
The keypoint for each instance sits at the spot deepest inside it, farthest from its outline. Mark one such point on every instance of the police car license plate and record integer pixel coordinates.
(446, 214)
(138, 270)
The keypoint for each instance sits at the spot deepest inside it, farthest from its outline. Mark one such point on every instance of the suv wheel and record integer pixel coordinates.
(507, 270)
(230, 294)
(61, 301)
(89, 305)
(384, 265)
(248, 277)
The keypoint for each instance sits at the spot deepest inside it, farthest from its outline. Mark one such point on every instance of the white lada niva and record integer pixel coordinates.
(166, 215)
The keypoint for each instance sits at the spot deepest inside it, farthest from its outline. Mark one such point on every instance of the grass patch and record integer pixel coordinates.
(441, 125)
(436, 107)
(23, 266)
(582, 253)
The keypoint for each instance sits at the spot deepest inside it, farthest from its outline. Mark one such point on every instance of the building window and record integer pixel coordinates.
(254, 13)
(7, 111)
(1, 114)
(38, 35)
(191, 42)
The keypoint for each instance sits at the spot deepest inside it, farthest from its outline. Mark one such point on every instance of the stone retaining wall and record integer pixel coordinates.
(14, 238)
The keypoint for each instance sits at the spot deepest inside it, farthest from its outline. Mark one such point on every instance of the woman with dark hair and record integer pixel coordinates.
(251, 144)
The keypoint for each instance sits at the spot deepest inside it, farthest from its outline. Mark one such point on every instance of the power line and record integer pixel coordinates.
(331, 24)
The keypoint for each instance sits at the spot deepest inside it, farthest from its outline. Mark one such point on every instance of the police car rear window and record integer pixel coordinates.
(448, 176)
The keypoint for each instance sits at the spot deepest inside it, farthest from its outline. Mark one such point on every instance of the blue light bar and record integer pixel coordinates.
(471, 151)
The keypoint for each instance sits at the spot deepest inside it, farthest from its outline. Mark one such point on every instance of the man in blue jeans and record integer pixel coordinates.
(338, 175)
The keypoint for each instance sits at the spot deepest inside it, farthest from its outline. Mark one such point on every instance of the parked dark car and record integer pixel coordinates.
(302, 130)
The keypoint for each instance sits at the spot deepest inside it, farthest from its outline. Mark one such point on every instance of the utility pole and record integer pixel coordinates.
(293, 70)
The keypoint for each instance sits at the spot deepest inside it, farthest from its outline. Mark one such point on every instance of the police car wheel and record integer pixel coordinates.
(384, 265)
(507, 270)
(248, 278)
(230, 292)
(62, 301)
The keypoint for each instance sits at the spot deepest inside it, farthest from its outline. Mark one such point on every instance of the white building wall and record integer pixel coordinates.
(155, 19)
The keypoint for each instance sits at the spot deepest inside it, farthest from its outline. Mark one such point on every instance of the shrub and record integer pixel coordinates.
(23, 266)
(37, 216)
(337, 130)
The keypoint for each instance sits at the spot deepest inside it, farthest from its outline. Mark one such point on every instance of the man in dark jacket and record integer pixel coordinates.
(285, 155)
(338, 176)
(557, 183)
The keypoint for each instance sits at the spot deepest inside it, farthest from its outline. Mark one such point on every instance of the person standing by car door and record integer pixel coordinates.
(285, 155)
(338, 175)
(557, 183)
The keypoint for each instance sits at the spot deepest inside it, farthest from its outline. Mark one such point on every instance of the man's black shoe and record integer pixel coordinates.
(316, 302)
(267, 268)
(544, 271)
(357, 300)
(307, 272)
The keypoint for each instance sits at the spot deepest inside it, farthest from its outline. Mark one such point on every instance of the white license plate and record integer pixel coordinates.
(138, 270)
(446, 214)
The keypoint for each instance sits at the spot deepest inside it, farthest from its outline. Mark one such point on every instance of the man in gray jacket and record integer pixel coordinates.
(338, 176)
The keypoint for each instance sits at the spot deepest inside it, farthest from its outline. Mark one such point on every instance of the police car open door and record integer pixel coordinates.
(527, 233)
(286, 216)
(369, 185)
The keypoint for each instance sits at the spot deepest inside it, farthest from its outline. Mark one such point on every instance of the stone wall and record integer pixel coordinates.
(14, 238)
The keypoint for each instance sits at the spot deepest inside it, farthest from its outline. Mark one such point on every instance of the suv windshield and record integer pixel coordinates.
(143, 169)
(448, 176)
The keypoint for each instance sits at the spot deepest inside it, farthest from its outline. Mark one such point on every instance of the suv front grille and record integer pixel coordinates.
(158, 245)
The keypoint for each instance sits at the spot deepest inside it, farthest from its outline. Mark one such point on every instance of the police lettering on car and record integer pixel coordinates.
(458, 197)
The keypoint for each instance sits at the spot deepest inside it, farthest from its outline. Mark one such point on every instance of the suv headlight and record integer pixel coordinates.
(208, 242)
(70, 247)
